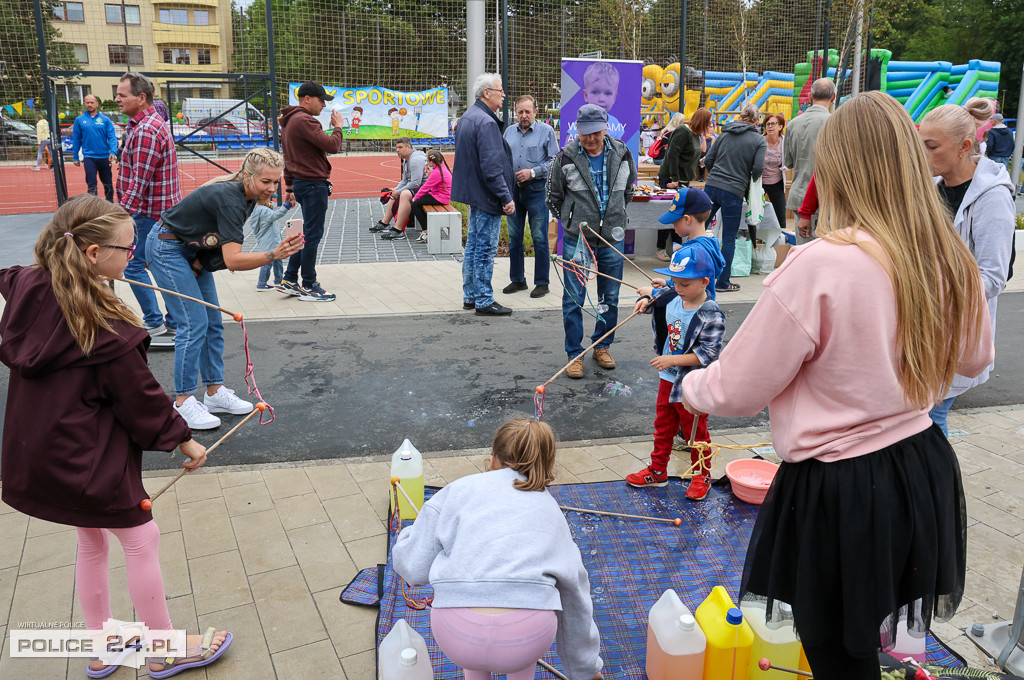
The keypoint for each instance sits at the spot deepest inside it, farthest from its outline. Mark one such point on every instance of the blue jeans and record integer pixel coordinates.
(731, 206)
(136, 271)
(609, 261)
(529, 201)
(102, 167)
(199, 344)
(1005, 160)
(39, 153)
(278, 269)
(312, 196)
(939, 413)
(478, 260)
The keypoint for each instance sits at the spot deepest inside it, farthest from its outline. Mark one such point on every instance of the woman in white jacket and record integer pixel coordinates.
(979, 194)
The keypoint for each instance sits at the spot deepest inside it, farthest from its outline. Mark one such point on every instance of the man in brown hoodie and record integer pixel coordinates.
(307, 174)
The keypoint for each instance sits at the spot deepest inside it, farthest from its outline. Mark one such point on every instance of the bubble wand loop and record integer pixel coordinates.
(237, 316)
(622, 255)
(562, 261)
(147, 503)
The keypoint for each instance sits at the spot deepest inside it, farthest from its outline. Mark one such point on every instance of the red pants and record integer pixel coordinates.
(668, 418)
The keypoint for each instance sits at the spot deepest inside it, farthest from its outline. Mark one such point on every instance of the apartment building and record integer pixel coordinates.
(163, 36)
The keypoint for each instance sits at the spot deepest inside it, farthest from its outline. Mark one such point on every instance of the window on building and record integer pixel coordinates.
(72, 93)
(179, 94)
(69, 11)
(204, 56)
(207, 93)
(131, 14)
(201, 17)
(81, 54)
(178, 17)
(120, 56)
(177, 55)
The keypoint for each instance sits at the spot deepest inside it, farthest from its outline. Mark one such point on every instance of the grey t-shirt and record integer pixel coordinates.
(220, 208)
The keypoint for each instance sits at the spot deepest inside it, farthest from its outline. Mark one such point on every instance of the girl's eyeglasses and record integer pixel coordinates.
(128, 249)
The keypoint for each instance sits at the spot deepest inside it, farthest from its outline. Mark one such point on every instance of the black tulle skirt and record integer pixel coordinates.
(853, 545)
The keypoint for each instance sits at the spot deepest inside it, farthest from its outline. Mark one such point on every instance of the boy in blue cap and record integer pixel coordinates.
(690, 336)
(688, 214)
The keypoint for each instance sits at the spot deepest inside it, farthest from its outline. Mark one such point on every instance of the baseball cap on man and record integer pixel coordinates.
(687, 202)
(689, 262)
(997, 117)
(313, 89)
(591, 118)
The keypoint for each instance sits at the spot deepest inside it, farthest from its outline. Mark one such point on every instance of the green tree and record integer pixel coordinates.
(20, 70)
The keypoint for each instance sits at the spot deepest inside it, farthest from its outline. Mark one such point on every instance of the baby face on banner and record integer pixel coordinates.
(601, 85)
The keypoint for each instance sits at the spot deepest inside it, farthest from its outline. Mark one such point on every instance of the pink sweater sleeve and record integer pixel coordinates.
(438, 185)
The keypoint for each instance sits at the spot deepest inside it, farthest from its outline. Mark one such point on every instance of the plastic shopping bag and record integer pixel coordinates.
(755, 202)
(741, 258)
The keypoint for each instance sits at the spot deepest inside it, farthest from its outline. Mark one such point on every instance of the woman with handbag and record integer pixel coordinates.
(202, 234)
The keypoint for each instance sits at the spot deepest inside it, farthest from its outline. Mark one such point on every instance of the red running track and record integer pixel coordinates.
(23, 190)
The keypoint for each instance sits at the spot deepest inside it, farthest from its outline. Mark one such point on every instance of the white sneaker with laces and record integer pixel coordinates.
(197, 416)
(225, 401)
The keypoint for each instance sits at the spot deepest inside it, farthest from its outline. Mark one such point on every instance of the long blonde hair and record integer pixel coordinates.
(872, 174)
(675, 121)
(528, 447)
(87, 302)
(251, 164)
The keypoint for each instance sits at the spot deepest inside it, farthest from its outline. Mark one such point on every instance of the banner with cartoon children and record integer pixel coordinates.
(380, 113)
(613, 85)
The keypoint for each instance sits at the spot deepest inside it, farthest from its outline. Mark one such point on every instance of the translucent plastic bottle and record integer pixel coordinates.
(407, 465)
(675, 643)
(774, 641)
(727, 655)
(909, 643)
(403, 655)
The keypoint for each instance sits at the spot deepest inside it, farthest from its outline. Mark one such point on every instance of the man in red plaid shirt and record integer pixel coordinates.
(147, 184)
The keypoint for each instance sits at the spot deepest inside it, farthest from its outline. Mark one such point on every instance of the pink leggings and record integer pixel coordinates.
(141, 547)
(482, 644)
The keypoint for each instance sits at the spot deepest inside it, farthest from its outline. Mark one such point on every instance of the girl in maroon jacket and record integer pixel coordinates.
(81, 407)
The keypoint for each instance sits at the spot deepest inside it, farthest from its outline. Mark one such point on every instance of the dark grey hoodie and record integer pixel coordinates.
(736, 158)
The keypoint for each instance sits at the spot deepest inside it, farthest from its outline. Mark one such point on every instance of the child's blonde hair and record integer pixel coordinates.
(601, 71)
(528, 447)
(87, 302)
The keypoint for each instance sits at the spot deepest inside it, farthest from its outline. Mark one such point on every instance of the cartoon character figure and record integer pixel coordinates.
(671, 85)
(675, 334)
(357, 115)
(650, 95)
(395, 120)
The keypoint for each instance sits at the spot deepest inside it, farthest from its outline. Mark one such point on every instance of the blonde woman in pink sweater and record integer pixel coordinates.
(436, 190)
(853, 340)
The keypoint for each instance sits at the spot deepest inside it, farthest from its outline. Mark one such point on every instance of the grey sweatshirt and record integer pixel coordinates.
(262, 219)
(985, 222)
(480, 542)
(414, 171)
(736, 158)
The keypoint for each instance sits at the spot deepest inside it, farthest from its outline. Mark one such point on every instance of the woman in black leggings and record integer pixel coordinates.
(773, 179)
(437, 190)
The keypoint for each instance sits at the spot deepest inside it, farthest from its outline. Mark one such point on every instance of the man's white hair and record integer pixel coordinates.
(484, 81)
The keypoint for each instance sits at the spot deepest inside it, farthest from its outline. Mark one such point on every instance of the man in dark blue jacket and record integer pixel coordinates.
(1000, 141)
(482, 179)
(94, 134)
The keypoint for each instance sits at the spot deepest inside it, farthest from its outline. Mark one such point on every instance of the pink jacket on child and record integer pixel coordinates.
(819, 348)
(438, 185)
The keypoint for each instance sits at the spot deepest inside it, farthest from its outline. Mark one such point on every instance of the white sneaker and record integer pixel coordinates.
(225, 401)
(197, 416)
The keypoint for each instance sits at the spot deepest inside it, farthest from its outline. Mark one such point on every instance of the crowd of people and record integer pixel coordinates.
(858, 346)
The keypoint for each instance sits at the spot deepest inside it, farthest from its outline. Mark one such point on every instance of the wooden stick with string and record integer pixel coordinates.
(556, 258)
(622, 255)
(398, 485)
(237, 316)
(540, 388)
(677, 521)
(551, 669)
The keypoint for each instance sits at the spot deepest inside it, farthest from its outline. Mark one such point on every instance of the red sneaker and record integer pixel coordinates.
(699, 487)
(647, 477)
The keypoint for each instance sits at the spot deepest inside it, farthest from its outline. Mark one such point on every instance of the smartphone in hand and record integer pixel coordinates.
(292, 228)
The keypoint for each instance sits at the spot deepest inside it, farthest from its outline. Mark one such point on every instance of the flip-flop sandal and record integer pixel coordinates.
(731, 288)
(109, 669)
(174, 665)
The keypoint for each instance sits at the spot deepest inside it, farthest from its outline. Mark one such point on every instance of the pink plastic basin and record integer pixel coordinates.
(750, 478)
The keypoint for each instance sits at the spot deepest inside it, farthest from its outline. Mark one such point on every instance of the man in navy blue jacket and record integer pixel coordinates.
(1000, 141)
(94, 134)
(482, 178)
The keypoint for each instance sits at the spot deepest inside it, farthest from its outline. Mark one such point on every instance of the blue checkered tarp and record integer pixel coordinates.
(630, 562)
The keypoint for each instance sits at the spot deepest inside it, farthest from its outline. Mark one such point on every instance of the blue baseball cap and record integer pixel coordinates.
(689, 262)
(687, 202)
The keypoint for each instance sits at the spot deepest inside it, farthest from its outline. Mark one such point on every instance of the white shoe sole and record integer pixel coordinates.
(166, 340)
(235, 412)
(210, 425)
(310, 298)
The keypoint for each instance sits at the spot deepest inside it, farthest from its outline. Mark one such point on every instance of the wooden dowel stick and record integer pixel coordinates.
(675, 521)
(551, 669)
(584, 352)
(402, 489)
(556, 258)
(622, 255)
(766, 665)
(233, 315)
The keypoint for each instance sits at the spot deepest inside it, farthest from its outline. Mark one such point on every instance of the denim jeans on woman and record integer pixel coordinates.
(478, 260)
(199, 344)
(731, 206)
(609, 261)
(136, 271)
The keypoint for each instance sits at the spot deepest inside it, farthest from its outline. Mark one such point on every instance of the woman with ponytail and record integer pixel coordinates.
(505, 571)
(436, 190)
(198, 236)
(82, 406)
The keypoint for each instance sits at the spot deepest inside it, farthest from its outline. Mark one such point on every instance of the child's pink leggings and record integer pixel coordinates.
(482, 644)
(141, 547)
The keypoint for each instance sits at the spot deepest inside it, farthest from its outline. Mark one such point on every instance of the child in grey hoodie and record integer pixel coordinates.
(505, 571)
(268, 236)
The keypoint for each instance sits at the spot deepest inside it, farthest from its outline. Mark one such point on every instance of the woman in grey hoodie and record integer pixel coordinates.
(735, 159)
(505, 571)
(979, 194)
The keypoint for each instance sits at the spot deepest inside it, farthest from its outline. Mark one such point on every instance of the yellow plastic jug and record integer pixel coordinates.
(729, 637)
(407, 465)
(773, 641)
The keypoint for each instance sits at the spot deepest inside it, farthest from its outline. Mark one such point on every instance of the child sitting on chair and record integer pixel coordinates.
(690, 336)
(506, 574)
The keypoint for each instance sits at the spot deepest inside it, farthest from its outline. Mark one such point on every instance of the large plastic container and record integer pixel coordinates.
(407, 465)
(727, 655)
(403, 655)
(675, 643)
(909, 643)
(775, 641)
